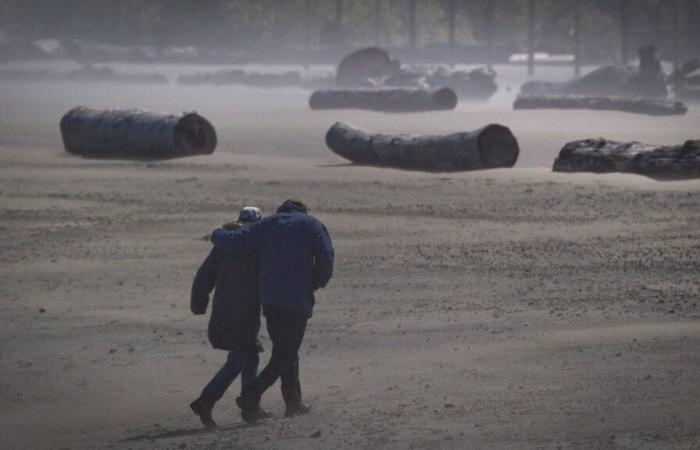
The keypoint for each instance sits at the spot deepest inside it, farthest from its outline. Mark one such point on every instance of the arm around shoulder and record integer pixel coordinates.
(239, 240)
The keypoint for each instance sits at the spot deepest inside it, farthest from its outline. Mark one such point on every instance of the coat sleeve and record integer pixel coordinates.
(203, 284)
(323, 256)
(243, 240)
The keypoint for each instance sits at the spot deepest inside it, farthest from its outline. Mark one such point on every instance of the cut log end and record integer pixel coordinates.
(194, 135)
(498, 147)
(444, 98)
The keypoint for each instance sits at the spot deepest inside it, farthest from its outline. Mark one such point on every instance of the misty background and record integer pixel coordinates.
(292, 31)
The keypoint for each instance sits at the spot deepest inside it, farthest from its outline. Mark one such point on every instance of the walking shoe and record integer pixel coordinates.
(204, 413)
(296, 410)
(254, 415)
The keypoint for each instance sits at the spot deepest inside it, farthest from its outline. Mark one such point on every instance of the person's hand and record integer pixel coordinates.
(231, 226)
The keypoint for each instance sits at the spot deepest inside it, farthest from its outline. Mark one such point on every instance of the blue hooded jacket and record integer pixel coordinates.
(235, 309)
(295, 257)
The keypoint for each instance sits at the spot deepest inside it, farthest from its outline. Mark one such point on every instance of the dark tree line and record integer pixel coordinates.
(298, 23)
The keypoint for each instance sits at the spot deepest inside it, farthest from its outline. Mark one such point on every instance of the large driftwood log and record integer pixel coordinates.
(364, 65)
(601, 156)
(135, 133)
(653, 107)
(646, 81)
(388, 100)
(488, 147)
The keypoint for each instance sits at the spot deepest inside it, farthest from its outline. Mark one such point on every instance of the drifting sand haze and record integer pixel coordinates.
(502, 309)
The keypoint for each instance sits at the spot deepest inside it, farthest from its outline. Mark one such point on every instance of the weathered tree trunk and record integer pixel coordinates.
(389, 100)
(488, 147)
(641, 106)
(601, 156)
(135, 133)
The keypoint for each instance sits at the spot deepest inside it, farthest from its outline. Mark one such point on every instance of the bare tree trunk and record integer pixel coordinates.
(601, 156)
(576, 7)
(377, 22)
(692, 30)
(135, 133)
(307, 30)
(531, 38)
(451, 7)
(622, 4)
(488, 147)
(489, 9)
(412, 23)
(676, 31)
(389, 100)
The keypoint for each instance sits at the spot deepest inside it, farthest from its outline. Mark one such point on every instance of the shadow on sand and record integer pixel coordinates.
(325, 166)
(164, 434)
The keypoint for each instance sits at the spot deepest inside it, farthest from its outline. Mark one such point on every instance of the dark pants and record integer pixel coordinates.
(245, 364)
(286, 332)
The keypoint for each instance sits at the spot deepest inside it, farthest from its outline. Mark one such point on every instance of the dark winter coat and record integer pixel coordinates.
(295, 257)
(235, 312)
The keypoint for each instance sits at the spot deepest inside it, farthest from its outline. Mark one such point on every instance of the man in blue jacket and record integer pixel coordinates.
(295, 257)
(235, 317)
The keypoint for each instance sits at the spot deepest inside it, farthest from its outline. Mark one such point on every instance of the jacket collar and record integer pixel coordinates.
(288, 208)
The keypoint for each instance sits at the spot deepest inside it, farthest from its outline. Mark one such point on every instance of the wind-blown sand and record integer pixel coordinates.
(503, 309)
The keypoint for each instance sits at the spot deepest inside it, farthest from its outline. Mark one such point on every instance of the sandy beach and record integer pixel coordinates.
(502, 309)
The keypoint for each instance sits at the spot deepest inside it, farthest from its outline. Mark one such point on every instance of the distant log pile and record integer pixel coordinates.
(601, 156)
(653, 107)
(135, 134)
(85, 74)
(489, 147)
(477, 84)
(373, 67)
(388, 100)
(257, 79)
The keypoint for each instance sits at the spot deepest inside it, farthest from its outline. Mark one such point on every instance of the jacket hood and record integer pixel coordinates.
(287, 208)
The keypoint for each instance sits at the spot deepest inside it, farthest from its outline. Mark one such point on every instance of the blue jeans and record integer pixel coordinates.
(245, 364)
(286, 332)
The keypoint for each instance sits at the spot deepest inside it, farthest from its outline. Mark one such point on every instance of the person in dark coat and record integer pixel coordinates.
(295, 257)
(235, 317)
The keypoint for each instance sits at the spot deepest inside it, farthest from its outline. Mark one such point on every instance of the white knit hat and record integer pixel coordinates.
(249, 214)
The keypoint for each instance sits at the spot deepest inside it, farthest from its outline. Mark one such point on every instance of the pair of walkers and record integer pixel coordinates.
(274, 263)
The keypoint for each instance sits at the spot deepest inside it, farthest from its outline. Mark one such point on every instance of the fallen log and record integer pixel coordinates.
(387, 100)
(646, 81)
(602, 156)
(135, 133)
(603, 81)
(653, 107)
(488, 147)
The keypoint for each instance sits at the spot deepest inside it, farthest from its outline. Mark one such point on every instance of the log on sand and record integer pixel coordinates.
(653, 107)
(388, 100)
(601, 156)
(134, 133)
(488, 147)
